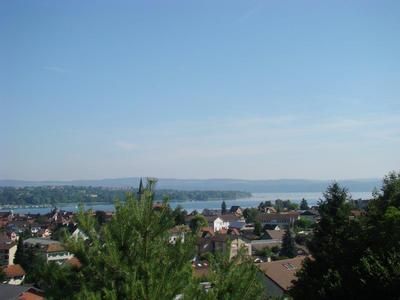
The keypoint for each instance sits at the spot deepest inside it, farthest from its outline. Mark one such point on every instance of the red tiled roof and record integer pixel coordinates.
(55, 248)
(13, 271)
(74, 262)
(30, 296)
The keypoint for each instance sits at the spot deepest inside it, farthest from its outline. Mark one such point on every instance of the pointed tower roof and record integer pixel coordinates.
(141, 188)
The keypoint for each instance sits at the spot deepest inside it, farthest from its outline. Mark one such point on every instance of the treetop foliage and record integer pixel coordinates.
(132, 257)
(87, 194)
(354, 258)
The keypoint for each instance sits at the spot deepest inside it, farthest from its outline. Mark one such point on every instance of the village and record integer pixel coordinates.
(274, 236)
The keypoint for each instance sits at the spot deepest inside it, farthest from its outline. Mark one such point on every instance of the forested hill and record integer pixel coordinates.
(85, 194)
(254, 186)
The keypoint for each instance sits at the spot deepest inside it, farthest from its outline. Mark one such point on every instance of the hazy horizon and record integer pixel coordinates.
(192, 178)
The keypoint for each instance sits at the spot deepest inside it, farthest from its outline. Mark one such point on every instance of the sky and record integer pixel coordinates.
(199, 89)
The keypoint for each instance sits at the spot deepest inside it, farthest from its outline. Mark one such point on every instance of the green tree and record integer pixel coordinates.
(130, 257)
(223, 208)
(304, 204)
(20, 257)
(197, 222)
(179, 215)
(257, 228)
(230, 279)
(250, 215)
(333, 249)
(303, 224)
(288, 245)
(379, 267)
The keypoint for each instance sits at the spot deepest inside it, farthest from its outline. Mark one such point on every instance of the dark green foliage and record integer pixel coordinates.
(231, 279)
(223, 208)
(250, 214)
(379, 267)
(303, 224)
(19, 257)
(275, 249)
(100, 217)
(302, 239)
(265, 204)
(131, 257)
(197, 222)
(59, 282)
(87, 194)
(266, 252)
(304, 204)
(60, 233)
(322, 277)
(30, 260)
(281, 205)
(257, 228)
(354, 258)
(288, 246)
(179, 215)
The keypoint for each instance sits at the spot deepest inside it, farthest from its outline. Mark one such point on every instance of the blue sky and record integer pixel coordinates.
(199, 89)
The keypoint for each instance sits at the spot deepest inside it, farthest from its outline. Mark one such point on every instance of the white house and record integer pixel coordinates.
(79, 234)
(220, 224)
(52, 250)
(57, 253)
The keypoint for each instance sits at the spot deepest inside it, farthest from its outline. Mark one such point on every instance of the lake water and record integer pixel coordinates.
(312, 199)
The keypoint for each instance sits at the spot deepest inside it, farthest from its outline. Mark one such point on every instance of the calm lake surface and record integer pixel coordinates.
(312, 199)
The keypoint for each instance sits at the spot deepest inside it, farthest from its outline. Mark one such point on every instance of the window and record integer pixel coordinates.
(289, 266)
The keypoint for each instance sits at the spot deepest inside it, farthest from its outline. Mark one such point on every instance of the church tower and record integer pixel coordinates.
(140, 190)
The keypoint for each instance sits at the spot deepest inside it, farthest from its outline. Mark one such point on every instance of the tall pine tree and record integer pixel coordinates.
(223, 208)
(288, 245)
(304, 204)
(324, 275)
(131, 257)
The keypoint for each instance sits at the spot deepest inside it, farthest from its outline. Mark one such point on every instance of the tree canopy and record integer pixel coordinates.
(132, 257)
(288, 245)
(354, 258)
(304, 204)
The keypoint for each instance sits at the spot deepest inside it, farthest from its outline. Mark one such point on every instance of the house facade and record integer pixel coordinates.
(283, 220)
(8, 248)
(50, 249)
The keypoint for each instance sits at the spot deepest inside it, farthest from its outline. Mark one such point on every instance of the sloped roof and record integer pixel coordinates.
(13, 271)
(55, 248)
(282, 272)
(310, 212)
(275, 234)
(277, 217)
(74, 262)
(234, 208)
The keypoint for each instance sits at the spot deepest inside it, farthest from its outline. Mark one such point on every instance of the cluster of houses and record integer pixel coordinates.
(230, 232)
(35, 232)
(224, 232)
